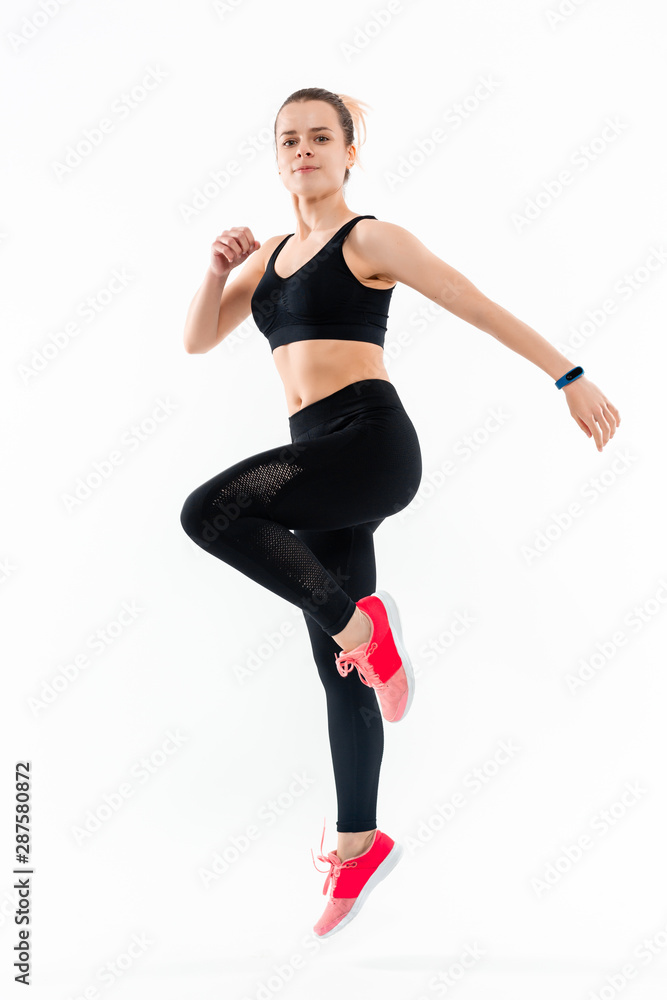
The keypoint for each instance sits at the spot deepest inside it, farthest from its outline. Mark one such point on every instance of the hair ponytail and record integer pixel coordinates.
(355, 108)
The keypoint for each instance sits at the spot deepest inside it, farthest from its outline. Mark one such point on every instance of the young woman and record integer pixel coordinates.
(299, 519)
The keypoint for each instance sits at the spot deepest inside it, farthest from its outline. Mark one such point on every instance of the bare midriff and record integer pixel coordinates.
(312, 369)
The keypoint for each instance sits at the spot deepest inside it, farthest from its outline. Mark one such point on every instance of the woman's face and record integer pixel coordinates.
(308, 133)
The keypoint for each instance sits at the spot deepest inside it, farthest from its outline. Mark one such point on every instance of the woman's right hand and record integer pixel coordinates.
(231, 248)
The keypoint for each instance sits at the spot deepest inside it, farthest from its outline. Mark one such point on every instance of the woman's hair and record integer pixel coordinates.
(349, 110)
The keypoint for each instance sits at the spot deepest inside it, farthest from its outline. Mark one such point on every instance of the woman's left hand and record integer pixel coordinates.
(591, 409)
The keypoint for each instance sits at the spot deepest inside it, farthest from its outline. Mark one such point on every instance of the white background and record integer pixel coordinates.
(594, 590)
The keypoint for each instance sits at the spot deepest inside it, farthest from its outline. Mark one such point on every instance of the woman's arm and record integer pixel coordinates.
(396, 254)
(201, 322)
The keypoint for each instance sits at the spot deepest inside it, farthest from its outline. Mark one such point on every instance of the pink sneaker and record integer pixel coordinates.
(382, 662)
(352, 881)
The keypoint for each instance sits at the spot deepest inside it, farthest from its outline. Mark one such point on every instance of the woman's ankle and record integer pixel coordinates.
(357, 632)
(354, 845)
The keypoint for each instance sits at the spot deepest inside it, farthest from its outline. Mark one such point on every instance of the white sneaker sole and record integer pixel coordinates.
(382, 870)
(396, 631)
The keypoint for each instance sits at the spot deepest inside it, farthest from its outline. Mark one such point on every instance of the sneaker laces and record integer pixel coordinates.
(335, 865)
(345, 662)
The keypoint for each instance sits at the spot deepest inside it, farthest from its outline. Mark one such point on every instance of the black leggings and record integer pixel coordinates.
(299, 520)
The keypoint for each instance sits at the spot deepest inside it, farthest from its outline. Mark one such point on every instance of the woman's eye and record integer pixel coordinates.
(325, 137)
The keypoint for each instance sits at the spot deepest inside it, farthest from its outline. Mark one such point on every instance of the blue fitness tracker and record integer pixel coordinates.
(570, 376)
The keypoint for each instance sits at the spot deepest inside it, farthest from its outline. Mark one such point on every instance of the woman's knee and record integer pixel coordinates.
(206, 520)
(192, 518)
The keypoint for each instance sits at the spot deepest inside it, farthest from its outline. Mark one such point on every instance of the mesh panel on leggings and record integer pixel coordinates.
(261, 483)
(295, 561)
(277, 546)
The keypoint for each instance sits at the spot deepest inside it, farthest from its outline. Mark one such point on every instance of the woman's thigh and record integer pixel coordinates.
(364, 472)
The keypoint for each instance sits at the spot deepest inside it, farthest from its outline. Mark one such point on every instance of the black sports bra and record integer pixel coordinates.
(321, 300)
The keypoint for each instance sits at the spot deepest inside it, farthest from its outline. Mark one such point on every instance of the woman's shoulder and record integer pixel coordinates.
(370, 235)
(382, 226)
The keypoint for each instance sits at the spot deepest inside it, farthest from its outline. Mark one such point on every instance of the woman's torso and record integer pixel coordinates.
(312, 369)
